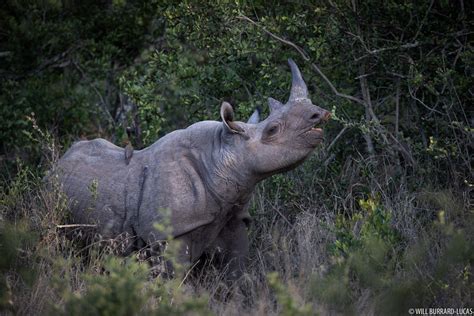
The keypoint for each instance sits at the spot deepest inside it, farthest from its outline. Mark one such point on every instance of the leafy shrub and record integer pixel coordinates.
(289, 305)
(372, 221)
(397, 276)
(123, 289)
(119, 291)
(16, 244)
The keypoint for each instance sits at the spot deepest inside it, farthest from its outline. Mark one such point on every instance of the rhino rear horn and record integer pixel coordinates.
(255, 117)
(298, 86)
(274, 104)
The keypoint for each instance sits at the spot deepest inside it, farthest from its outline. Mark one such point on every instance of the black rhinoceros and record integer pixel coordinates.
(203, 176)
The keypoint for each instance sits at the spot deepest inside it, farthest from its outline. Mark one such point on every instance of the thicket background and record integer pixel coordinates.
(377, 221)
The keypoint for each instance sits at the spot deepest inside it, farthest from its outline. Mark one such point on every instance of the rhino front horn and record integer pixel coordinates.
(298, 86)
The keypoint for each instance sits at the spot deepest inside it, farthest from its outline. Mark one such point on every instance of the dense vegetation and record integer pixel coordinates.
(377, 221)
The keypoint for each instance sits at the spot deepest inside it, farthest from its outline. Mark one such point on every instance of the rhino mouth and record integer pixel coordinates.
(313, 136)
(317, 128)
(315, 132)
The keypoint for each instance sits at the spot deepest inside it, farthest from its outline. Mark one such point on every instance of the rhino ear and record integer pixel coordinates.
(227, 115)
(274, 104)
(255, 117)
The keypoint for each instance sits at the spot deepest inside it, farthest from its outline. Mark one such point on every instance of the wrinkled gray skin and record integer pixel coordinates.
(204, 175)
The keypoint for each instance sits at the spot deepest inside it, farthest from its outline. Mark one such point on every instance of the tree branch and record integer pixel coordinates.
(336, 138)
(376, 51)
(306, 57)
(299, 49)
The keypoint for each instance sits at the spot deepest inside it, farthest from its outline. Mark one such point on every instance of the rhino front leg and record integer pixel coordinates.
(232, 248)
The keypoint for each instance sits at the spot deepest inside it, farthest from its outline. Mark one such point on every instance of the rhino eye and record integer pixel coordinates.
(272, 130)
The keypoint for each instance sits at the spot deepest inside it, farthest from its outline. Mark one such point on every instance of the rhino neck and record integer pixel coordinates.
(224, 172)
(231, 179)
(264, 175)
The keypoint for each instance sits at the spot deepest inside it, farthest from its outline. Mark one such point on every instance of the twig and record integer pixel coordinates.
(423, 103)
(187, 273)
(333, 88)
(376, 51)
(284, 218)
(397, 107)
(336, 138)
(363, 76)
(369, 111)
(424, 20)
(402, 149)
(75, 225)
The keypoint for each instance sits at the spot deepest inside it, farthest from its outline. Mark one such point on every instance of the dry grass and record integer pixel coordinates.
(291, 235)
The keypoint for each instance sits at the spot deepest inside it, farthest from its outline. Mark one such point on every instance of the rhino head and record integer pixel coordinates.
(284, 139)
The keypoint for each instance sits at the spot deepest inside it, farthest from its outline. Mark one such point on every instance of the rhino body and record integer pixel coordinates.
(203, 176)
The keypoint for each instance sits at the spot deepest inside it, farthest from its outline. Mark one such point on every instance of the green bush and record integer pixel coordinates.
(124, 289)
(16, 263)
(119, 291)
(372, 221)
(397, 275)
(288, 304)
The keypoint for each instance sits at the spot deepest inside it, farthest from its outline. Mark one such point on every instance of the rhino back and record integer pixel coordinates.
(102, 189)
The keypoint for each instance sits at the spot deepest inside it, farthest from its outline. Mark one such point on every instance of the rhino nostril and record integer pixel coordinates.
(327, 116)
(315, 116)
